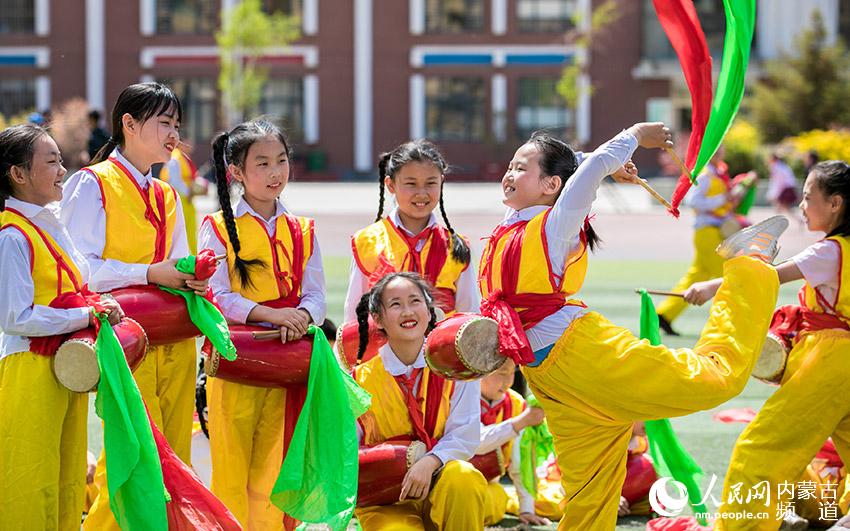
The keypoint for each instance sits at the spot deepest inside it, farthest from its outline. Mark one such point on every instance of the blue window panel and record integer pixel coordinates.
(17, 60)
(434, 59)
(539, 59)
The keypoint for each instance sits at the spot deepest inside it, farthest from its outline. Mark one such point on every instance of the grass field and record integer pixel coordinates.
(609, 289)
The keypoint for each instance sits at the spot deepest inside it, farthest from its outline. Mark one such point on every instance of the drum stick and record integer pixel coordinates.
(220, 257)
(271, 334)
(658, 197)
(667, 293)
(677, 160)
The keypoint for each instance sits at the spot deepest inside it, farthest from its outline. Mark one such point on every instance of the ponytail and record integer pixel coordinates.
(460, 250)
(382, 174)
(104, 151)
(362, 312)
(223, 189)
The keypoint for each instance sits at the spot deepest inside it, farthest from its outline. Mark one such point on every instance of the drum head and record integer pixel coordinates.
(415, 452)
(771, 362)
(478, 345)
(75, 366)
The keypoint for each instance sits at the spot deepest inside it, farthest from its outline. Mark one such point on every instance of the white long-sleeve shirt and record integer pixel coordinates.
(566, 220)
(495, 436)
(85, 218)
(233, 305)
(703, 204)
(467, 297)
(462, 433)
(20, 319)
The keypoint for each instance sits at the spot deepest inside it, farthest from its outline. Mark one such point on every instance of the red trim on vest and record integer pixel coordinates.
(296, 260)
(214, 225)
(99, 185)
(159, 223)
(29, 242)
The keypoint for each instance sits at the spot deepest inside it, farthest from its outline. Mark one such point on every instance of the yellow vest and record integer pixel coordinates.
(534, 274)
(717, 186)
(388, 417)
(282, 271)
(53, 271)
(188, 171)
(809, 296)
(381, 248)
(139, 224)
(517, 406)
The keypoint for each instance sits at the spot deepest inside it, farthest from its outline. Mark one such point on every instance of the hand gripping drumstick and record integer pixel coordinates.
(657, 292)
(271, 334)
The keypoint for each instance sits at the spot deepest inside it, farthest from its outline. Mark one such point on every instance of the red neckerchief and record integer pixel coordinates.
(490, 414)
(414, 406)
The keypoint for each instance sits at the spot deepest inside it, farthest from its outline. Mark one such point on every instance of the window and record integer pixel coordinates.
(186, 16)
(283, 102)
(17, 16)
(287, 7)
(454, 109)
(541, 16)
(16, 96)
(712, 18)
(540, 107)
(454, 16)
(198, 99)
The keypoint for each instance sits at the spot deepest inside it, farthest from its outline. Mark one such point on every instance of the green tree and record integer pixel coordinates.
(247, 33)
(807, 90)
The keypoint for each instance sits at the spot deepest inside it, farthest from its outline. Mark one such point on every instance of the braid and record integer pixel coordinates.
(460, 251)
(362, 312)
(104, 152)
(223, 189)
(382, 174)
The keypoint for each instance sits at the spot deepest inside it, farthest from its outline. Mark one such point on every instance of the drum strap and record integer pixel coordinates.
(414, 407)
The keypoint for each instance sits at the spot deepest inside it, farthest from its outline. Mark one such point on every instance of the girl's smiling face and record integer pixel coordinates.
(155, 138)
(416, 186)
(523, 184)
(404, 312)
(821, 212)
(42, 182)
(265, 171)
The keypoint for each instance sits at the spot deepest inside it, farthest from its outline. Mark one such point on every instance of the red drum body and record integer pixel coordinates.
(348, 341)
(163, 316)
(75, 363)
(382, 469)
(464, 346)
(640, 475)
(491, 465)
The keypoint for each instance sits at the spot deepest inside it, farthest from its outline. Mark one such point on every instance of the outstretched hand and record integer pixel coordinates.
(652, 135)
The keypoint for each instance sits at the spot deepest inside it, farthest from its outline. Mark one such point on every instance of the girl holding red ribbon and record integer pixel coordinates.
(130, 228)
(273, 274)
(42, 424)
(409, 402)
(810, 404)
(594, 379)
(409, 238)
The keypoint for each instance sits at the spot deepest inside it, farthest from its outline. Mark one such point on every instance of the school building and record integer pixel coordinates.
(475, 76)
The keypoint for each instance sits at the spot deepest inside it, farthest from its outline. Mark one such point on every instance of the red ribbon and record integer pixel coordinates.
(48, 345)
(490, 414)
(414, 407)
(205, 264)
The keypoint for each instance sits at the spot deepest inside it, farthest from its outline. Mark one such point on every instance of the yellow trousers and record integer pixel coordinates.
(246, 448)
(495, 503)
(457, 500)
(599, 379)
(548, 503)
(42, 447)
(166, 380)
(810, 405)
(707, 265)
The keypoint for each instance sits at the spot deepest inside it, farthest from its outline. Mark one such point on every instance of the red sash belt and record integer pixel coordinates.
(789, 320)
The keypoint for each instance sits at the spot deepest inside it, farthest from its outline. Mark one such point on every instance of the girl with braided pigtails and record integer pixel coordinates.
(273, 274)
(409, 238)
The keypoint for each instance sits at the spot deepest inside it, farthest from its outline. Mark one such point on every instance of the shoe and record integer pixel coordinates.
(759, 240)
(665, 325)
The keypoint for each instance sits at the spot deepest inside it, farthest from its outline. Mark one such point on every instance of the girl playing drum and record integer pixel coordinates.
(273, 274)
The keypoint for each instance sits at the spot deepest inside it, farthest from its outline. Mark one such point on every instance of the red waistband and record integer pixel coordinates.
(791, 319)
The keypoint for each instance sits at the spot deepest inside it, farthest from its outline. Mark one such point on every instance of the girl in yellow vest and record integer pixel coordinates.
(713, 205)
(594, 379)
(273, 274)
(42, 424)
(504, 414)
(811, 402)
(412, 403)
(409, 238)
(131, 230)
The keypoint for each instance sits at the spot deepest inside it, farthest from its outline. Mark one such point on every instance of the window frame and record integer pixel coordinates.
(474, 119)
(544, 25)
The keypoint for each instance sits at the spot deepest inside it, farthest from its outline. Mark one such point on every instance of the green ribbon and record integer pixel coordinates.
(133, 470)
(535, 447)
(318, 478)
(671, 459)
(204, 314)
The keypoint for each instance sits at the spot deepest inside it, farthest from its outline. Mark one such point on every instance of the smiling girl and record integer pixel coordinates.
(409, 238)
(410, 402)
(811, 402)
(130, 228)
(273, 274)
(42, 424)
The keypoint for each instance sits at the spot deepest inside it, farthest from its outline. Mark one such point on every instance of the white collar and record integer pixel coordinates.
(495, 403)
(394, 366)
(526, 214)
(394, 217)
(29, 210)
(143, 180)
(242, 208)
